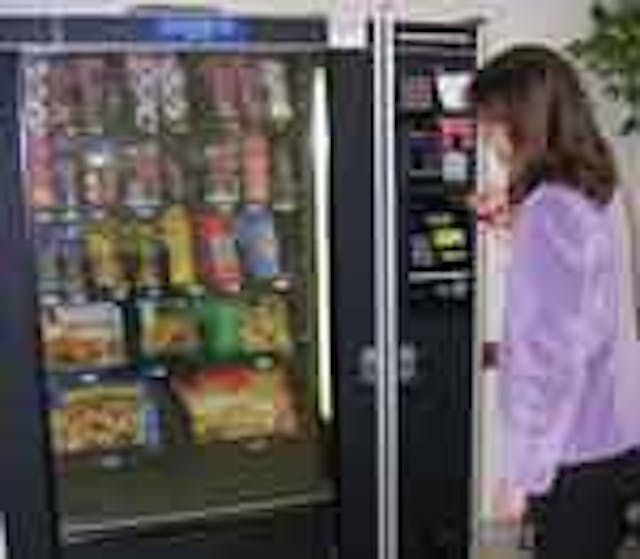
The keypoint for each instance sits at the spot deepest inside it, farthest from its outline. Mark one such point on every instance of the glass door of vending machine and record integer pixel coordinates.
(186, 219)
(435, 173)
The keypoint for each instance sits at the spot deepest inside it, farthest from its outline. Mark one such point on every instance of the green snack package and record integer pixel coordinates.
(221, 324)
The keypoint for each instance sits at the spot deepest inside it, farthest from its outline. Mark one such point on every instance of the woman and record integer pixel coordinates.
(569, 444)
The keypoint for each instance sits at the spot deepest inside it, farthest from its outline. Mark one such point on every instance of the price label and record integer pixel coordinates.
(89, 378)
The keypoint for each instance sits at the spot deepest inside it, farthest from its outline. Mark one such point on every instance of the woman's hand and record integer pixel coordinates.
(492, 209)
(510, 503)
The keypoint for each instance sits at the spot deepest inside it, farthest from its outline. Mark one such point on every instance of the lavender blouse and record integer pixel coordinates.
(560, 357)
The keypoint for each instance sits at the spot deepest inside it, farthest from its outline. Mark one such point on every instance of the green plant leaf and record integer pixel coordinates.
(630, 126)
(599, 13)
(612, 52)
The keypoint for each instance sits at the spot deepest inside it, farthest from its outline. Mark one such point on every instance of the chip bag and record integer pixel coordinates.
(235, 402)
(101, 418)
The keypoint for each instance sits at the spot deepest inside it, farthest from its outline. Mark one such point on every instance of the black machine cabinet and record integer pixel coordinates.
(215, 400)
(436, 170)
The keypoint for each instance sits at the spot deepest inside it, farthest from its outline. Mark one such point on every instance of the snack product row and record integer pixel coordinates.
(153, 93)
(443, 149)
(446, 90)
(176, 249)
(221, 403)
(100, 336)
(106, 172)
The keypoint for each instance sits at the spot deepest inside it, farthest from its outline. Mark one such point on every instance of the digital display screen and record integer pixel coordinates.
(438, 240)
(447, 238)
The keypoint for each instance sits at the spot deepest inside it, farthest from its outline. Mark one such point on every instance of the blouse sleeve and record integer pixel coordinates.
(542, 369)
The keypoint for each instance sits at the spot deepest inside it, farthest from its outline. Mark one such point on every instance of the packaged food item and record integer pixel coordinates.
(100, 176)
(148, 255)
(144, 188)
(417, 92)
(173, 95)
(458, 129)
(89, 73)
(258, 242)
(278, 99)
(62, 93)
(251, 92)
(47, 243)
(453, 89)
(221, 86)
(256, 168)
(104, 254)
(425, 153)
(175, 177)
(221, 321)
(104, 418)
(144, 83)
(265, 326)
(284, 180)
(67, 173)
(41, 179)
(176, 232)
(36, 95)
(83, 337)
(234, 402)
(114, 110)
(219, 256)
(72, 259)
(455, 163)
(168, 327)
(222, 186)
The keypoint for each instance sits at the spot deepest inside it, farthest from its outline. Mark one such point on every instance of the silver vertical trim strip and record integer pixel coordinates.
(320, 148)
(386, 283)
(480, 308)
(22, 127)
(380, 287)
(392, 295)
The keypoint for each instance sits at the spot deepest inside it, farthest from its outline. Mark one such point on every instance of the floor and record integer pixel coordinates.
(506, 552)
(498, 543)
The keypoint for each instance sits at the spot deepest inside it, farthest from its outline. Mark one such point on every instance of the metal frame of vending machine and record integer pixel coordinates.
(395, 456)
(334, 514)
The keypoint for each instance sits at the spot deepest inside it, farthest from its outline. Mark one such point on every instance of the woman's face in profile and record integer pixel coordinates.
(491, 201)
(495, 137)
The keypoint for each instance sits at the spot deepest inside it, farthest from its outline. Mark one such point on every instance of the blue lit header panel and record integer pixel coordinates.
(199, 30)
(187, 29)
(160, 29)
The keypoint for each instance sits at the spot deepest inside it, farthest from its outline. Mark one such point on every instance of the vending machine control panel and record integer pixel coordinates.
(436, 167)
(440, 252)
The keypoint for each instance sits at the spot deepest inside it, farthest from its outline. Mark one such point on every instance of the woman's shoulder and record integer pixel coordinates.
(562, 196)
(562, 208)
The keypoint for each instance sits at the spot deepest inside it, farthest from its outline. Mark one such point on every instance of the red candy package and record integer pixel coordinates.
(219, 254)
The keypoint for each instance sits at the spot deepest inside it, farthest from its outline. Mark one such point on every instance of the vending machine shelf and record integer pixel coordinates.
(282, 285)
(177, 488)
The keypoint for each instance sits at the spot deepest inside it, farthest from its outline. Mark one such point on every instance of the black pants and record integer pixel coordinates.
(583, 516)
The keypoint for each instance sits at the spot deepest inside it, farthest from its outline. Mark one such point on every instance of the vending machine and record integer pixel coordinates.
(188, 288)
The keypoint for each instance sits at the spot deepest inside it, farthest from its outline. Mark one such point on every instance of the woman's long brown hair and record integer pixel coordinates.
(537, 94)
